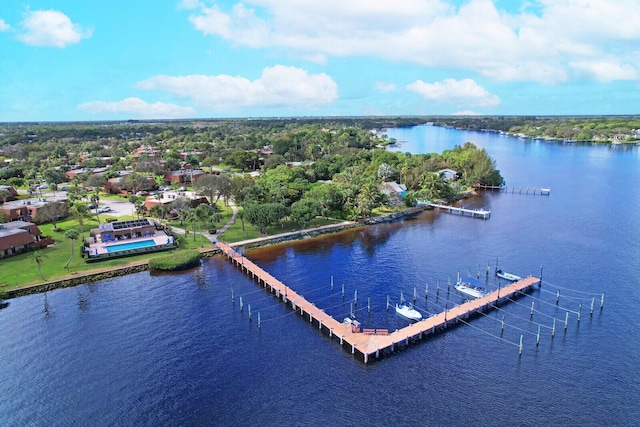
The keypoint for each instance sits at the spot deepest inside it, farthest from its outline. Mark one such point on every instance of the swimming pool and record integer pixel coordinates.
(130, 245)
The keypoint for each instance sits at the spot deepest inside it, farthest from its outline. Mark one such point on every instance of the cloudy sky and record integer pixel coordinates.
(152, 59)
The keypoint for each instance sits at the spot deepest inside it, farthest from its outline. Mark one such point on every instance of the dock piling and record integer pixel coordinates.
(557, 296)
(553, 331)
(520, 351)
(538, 336)
(532, 305)
(241, 304)
(579, 310)
(415, 294)
(331, 283)
(566, 321)
(355, 297)
(602, 301)
(249, 310)
(233, 298)
(368, 304)
(593, 300)
(259, 326)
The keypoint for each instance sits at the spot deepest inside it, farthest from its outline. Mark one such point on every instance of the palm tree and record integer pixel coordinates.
(78, 210)
(95, 198)
(72, 235)
(38, 257)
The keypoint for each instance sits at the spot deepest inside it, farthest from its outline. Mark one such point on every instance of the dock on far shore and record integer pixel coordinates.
(519, 190)
(372, 344)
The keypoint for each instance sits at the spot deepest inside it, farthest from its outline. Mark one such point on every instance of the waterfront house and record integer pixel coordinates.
(395, 192)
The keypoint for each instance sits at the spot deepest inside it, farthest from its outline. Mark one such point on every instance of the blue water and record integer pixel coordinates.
(130, 245)
(174, 350)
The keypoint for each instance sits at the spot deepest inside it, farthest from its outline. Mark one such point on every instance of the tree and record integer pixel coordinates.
(208, 186)
(38, 257)
(54, 176)
(95, 198)
(368, 198)
(385, 172)
(4, 218)
(261, 215)
(4, 193)
(78, 211)
(71, 235)
(240, 215)
(96, 181)
(135, 182)
(160, 210)
(52, 212)
(305, 210)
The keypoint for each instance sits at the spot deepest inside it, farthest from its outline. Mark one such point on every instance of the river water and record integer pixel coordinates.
(175, 350)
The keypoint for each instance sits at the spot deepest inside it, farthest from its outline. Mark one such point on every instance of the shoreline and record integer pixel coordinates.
(140, 266)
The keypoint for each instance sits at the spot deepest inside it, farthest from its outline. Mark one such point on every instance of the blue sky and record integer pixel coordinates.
(152, 59)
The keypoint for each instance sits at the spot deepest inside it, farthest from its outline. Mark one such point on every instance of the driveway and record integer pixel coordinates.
(118, 208)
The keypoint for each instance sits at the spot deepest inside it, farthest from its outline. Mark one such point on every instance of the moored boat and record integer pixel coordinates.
(508, 276)
(407, 311)
(470, 287)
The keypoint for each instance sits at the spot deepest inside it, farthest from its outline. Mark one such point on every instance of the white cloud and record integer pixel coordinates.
(538, 43)
(278, 86)
(464, 92)
(385, 86)
(4, 26)
(605, 71)
(51, 28)
(138, 108)
(190, 4)
(466, 113)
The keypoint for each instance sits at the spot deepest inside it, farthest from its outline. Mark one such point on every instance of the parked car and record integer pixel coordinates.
(93, 206)
(104, 209)
(43, 186)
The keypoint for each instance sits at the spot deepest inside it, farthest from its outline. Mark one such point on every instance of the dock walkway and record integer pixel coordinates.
(372, 344)
(476, 213)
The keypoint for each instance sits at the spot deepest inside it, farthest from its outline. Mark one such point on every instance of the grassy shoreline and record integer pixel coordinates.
(125, 266)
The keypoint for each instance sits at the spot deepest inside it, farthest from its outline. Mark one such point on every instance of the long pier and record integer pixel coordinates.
(370, 343)
(519, 190)
(476, 213)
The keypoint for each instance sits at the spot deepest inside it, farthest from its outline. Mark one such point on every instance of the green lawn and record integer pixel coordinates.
(21, 270)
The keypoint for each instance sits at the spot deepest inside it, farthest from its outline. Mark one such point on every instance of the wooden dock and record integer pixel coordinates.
(475, 213)
(373, 342)
(519, 190)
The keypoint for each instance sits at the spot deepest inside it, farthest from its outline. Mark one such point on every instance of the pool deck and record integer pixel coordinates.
(100, 248)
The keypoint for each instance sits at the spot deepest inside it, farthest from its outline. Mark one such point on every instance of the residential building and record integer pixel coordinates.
(20, 236)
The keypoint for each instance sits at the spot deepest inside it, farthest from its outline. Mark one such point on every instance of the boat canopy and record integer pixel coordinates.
(472, 281)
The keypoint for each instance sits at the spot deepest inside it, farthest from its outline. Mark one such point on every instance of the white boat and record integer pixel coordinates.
(470, 287)
(508, 276)
(407, 311)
